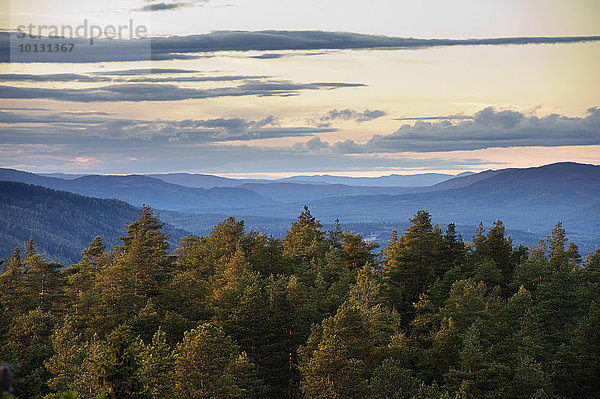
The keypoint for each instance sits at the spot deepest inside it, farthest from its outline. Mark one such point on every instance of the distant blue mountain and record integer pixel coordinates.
(138, 190)
(199, 180)
(294, 192)
(530, 201)
(66, 176)
(207, 193)
(463, 180)
(418, 180)
(209, 181)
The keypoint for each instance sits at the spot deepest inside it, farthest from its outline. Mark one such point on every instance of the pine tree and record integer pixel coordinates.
(339, 358)
(224, 240)
(187, 295)
(451, 252)
(40, 283)
(588, 279)
(209, 365)
(302, 316)
(305, 242)
(557, 301)
(335, 235)
(28, 344)
(140, 268)
(365, 294)
(145, 253)
(578, 369)
(332, 373)
(265, 254)
(10, 281)
(194, 254)
(278, 361)
(409, 266)
(391, 380)
(356, 252)
(95, 253)
(489, 273)
(573, 256)
(66, 363)
(156, 368)
(499, 250)
(145, 324)
(80, 279)
(118, 368)
(557, 243)
(477, 367)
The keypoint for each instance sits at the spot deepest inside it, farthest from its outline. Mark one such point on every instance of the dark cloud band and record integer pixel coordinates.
(320, 40)
(487, 128)
(116, 77)
(187, 47)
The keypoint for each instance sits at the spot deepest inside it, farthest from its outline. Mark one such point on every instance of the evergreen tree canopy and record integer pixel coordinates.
(317, 314)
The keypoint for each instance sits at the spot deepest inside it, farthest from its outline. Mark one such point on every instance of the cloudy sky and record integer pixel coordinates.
(275, 88)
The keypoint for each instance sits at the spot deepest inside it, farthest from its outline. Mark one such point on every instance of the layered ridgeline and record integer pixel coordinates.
(208, 181)
(61, 223)
(530, 201)
(138, 190)
(236, 314)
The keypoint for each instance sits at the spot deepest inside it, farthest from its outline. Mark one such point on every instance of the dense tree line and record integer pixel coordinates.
(318, 314)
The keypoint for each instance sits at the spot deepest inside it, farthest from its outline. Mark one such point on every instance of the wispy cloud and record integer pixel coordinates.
(136, 92)
(91, 128)
(56, 77)
(146, 71)
(122, 77)
(274, 56)
(345, 115)
(67, 117)
(433, 118)
(350, 114)
(166, 6)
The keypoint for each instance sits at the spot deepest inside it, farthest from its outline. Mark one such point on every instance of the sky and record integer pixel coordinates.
(278, 88)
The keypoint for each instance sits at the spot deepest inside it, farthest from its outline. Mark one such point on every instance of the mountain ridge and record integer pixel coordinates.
(202, 180)
(530, 200)
(138, 190)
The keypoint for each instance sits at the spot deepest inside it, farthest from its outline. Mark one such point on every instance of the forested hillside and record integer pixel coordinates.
(62, 224)
(317, 314)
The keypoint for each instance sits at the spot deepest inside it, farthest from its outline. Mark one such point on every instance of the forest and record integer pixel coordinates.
(315, 314)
